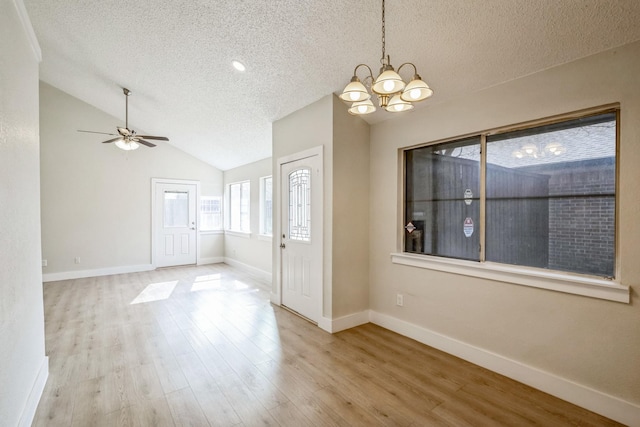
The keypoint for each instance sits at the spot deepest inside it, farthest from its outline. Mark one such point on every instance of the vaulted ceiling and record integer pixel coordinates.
(176, 55)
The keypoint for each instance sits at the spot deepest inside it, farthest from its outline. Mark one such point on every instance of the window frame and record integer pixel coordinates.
(228, 223)
(220, 213)
(262, 231)
(568, 282)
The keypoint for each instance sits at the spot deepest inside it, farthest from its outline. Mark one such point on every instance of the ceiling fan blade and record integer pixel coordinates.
(111, 140)
(159, 138)
(143, 142)
(101, 133)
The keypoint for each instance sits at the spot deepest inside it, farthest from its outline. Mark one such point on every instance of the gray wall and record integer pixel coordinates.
(591, 342)
(350, 212)
(309, 127)
(96, 198)
(345, 139)
(23, 365)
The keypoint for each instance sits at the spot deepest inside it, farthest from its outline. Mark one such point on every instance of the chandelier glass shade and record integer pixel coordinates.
(536, 151)
(394, 95)
(362, 107)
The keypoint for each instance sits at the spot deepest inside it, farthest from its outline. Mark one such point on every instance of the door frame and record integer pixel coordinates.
(155, 220)
(276, 292)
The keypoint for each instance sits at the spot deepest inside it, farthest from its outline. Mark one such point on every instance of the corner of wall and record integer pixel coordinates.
(29, 412)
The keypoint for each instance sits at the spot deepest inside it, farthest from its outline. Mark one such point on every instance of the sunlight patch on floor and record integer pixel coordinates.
(155, 292)
(239, 285)
(211, 281)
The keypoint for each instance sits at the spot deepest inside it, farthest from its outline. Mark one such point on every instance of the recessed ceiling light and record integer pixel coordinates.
(238, 65)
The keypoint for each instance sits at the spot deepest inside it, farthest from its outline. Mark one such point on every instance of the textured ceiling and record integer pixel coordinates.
(176, 55)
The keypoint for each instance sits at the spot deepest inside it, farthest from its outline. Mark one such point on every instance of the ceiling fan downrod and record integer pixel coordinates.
(127, 92)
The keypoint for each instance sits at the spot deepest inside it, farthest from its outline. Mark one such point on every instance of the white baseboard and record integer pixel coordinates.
(593, 400)
(29, 412)
(344, 322)
(79, 274)
(211, 260)
(261, 274)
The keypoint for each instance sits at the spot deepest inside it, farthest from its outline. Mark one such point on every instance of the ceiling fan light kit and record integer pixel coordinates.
(394, 95)
(127, 145)
(127, 139)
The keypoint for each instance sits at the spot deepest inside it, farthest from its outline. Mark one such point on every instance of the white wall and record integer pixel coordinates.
(251, 252)
(96, 198)
(591, 342)
(23, 365)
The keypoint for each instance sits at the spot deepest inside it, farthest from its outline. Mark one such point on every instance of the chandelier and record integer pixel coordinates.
(536, 151)
(394, 95)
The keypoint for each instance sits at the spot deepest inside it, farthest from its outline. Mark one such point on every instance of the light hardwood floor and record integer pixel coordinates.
(202, 346)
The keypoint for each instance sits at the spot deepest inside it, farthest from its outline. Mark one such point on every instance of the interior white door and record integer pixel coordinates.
(175, 223)
(301, 239)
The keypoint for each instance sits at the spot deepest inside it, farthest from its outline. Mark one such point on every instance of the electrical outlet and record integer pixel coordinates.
(399, 300)
(44, 262)
(77, 260)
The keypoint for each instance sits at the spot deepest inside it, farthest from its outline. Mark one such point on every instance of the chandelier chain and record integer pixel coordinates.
(393, 93)
(383, 37)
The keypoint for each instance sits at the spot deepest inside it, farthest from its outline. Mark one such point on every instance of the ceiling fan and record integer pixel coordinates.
(126, 138)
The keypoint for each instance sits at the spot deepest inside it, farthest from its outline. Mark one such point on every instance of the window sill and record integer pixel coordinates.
(265, 237)
(242, 234)
(207, 232)
(551, 280)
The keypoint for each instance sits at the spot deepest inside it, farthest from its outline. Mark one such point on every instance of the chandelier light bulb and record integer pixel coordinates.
(362, 107)
(397, 104)
(416, 90)
(355, 91)
(387, 83)
(388, 86)
(555, 148)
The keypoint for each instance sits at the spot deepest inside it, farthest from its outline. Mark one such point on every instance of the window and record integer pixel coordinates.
(239, 196)
(266, 206)
(176, 209)
(210, 213)
(300, 205)
(543, 197)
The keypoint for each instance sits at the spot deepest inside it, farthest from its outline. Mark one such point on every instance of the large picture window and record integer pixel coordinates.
(543, 196)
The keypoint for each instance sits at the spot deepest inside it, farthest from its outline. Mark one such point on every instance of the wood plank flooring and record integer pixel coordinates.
(202, 346)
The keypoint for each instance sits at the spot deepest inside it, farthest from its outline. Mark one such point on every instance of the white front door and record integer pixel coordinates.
(301, 236)
(175, 224)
